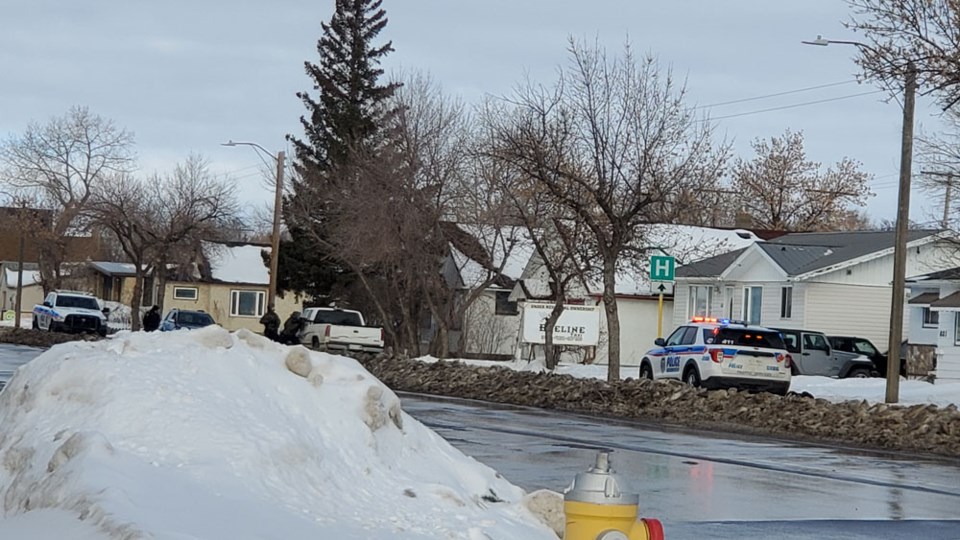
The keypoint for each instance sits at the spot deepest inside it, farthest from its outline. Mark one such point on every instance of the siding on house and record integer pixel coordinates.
(638, 330)
(214, 298)
(862, 311)
(879, 271)
(485, 333)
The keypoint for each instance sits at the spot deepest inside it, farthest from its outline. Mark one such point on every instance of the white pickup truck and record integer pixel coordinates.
(339, 330)
(70, 311)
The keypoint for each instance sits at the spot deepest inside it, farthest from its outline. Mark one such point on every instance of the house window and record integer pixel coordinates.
(728, 302)
(752, 304)
(246, 303)
(699, 302)
(504, 305)
(786, 302)
(185, 293)
(956, 329)
(931, 319)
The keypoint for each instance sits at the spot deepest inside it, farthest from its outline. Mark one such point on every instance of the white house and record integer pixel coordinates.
(934, 329)
(637, 298)
(835, 282)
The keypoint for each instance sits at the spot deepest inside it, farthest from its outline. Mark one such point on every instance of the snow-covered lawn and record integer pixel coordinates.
(206, 434)
(873, 390)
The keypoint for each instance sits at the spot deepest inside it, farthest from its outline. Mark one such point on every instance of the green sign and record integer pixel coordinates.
(661, 268)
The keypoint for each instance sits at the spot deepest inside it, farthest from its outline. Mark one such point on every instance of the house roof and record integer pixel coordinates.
(950, 274)
(30, 277)
(802, 253)
(924, 299)
(481, 251)
(237, 263)
(950, 301)
(114, 268)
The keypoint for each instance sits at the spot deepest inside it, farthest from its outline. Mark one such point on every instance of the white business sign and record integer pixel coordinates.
(577, 325)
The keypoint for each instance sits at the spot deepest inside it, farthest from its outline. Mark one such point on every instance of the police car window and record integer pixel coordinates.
(677, 336)
(749, 338)
(690, 336)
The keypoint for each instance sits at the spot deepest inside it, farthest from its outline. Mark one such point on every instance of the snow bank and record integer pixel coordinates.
(207, 434)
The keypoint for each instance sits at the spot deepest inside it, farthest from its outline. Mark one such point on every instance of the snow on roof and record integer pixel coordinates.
(114, 268)
(208, 434)
(686, 243)
(237, 263)
(30, 277)
(510, 246)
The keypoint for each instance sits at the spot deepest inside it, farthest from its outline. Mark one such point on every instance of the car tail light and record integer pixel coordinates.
(326, 331)
(716, 355)
(788, 361)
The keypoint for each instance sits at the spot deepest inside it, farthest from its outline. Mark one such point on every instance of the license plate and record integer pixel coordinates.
(353, 347)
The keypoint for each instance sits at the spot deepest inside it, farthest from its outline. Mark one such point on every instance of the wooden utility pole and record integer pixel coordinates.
(18, 304)
(275, 237)
(945, 222)
(900, 246)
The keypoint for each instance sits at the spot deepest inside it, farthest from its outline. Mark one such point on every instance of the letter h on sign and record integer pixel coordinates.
(661, 268)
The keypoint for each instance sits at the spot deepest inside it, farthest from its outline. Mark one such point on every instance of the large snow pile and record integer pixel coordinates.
(208, 434)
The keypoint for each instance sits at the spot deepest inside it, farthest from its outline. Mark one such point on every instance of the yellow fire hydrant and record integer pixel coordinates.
(596, 508)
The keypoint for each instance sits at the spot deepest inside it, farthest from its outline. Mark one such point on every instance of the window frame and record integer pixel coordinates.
(260, 301)
(930, 318)
(196, 293)
(786, 302)
(502, 305)
(956, 328)
(693, 295)
(749, 298)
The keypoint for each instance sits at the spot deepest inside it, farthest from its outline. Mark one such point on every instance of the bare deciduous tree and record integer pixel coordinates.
(62, 163)
(902, 35)
(614, 143)
(782, 190)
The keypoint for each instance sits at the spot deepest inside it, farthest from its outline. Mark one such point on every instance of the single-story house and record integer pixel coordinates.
(231, 285)
(835, 282)
(638, 300)
(31, 289)
(934, 328)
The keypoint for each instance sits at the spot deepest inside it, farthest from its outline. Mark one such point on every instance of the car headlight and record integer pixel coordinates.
(58, 318)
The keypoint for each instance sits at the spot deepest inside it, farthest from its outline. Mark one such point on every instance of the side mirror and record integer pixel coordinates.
(660, 342)
(106, 311)
(46, 304)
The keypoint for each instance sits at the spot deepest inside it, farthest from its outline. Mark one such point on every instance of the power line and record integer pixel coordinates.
(778, 94)
(795, 105)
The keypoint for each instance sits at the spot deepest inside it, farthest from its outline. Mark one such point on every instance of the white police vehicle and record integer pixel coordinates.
(719, 353)
(70, 311)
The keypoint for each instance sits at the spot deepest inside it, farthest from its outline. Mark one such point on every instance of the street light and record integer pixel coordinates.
(275, 237)
(903, 218)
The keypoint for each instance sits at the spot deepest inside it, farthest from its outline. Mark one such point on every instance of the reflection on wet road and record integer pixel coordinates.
(699, 483)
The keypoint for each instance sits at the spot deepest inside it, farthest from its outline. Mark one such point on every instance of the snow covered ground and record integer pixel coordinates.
(873, 390)
(206, 434)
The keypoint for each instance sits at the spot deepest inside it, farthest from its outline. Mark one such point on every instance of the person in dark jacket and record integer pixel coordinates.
(151, 319)
(271, 324)
(291, 328)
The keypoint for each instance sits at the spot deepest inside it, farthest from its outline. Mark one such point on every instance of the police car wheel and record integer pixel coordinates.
(646, 372)
(691, 377)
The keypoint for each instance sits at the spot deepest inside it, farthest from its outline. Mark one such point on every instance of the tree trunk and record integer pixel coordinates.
(137, 296)
(613, 318)
(551, 352)
(160, 273)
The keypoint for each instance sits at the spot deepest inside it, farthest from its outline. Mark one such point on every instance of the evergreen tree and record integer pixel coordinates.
(342, 124)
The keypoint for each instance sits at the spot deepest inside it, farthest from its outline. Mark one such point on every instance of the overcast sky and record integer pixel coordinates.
(184, 76)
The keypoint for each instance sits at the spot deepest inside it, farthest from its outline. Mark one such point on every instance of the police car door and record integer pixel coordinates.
(674, 342)
(671, 362)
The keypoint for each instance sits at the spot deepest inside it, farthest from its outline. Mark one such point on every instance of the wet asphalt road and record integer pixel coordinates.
(706, 486)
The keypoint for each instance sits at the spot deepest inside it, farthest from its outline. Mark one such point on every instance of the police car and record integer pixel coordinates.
(70, 311)
(719, 353)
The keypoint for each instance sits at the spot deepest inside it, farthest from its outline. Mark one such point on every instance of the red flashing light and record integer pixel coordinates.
(705, 319)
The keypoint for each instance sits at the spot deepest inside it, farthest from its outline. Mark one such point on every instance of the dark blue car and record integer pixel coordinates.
(182, 318)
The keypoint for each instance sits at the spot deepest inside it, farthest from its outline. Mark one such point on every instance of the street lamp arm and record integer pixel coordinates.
(252, 144)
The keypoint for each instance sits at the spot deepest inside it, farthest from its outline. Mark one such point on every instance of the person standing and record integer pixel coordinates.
(151, 320)
(271, 324)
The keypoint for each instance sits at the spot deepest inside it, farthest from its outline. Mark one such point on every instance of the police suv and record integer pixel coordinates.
(719, 353)
(70, 311)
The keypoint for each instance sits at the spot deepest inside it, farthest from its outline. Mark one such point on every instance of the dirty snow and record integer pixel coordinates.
(207, 434)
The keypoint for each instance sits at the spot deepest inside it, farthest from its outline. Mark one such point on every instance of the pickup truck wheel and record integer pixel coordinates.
(646, 372)
(315, 343)
(691, 377)
(858, 373)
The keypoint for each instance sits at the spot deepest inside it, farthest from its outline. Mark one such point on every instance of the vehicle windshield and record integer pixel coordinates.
(81, 302)
(193, 318)
(743, 336)
(344, 318)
